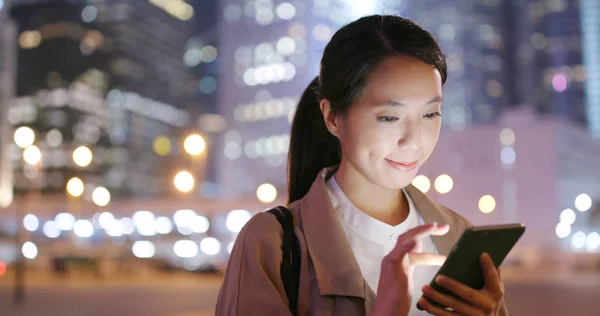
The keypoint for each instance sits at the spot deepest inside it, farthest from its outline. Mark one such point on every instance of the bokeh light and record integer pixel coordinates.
(422, 183)
(32, 155)
(30, 250)
(568, 216)
(31, 222)
(24, 136)
(184, 181)
(583, 202)
(75, 187)
(266, 193)
(143, 249)
(236, 220)
(82, 156)
(443, 184)
(487, 204)
(210, 246)
(101, 196)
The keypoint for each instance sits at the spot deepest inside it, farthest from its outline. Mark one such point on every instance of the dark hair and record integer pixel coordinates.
(353, 52)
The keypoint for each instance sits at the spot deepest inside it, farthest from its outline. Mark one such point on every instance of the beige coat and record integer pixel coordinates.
(330, 279)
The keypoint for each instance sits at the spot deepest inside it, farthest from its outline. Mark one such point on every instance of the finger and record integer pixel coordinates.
(434, 310)
(467, 294)
(455, 304)
(426, 259)
(424, 231)
(400, 251)
(490, 274)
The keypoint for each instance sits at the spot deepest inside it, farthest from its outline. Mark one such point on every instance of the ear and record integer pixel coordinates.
(332, 121)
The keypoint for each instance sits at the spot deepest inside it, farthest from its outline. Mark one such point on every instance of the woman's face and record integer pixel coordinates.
(393, 126)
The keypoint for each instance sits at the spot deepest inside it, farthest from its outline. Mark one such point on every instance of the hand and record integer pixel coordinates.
(393, 292)
(486, 301)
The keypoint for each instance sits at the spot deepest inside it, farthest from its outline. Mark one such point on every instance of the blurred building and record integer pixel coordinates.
(202, 58)
(269, 52)
(473, 36)
(590, 20)
(108, 83)
(7, 90)
(523, 168)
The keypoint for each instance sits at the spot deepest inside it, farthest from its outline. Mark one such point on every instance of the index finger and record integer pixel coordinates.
(424, 231)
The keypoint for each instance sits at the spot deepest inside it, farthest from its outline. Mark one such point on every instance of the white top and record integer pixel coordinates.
(371, 240)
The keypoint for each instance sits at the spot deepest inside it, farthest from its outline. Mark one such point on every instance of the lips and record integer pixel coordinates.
(402, 166)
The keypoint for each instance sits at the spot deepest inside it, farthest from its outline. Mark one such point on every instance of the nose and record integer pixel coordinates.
(410, 140)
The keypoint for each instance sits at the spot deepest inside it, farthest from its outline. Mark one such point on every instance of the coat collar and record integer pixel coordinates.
(336, 267)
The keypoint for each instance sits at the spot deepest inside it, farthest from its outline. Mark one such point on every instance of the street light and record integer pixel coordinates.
(82, 156)
(24, 136)
(194, 144)
(101, 196)
(32, 155)
(184, 181)
(75, 187)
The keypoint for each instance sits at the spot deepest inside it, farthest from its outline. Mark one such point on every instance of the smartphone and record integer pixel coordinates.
(463, 262)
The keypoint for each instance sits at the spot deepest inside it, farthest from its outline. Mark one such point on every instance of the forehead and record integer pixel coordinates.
(402, 78)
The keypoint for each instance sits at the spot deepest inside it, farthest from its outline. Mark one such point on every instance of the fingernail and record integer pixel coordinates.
(422, 302)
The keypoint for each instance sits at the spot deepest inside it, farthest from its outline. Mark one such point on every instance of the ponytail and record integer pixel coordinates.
(312, 146)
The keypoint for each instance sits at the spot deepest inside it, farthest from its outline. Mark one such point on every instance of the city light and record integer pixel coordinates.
(194, 144)
(32, 155)
(592, 242)
(164, 225)
(210, 246)
(162, 145)
(30, 250)
(507, 136)
(2, 264)
(199, 224)
(105, 220)
(444, 184)
(182, 218)
(177, 8)
(563, 230)
(101, 196)
(422, 183)
(65, 221)
(185, 249)
(83, 228)
(75, 187)
(51, 229)
(236, 220)
(487, 204)
(82, 156)
(579, 240)
(31, 222)
(184, 181)
(266, 193)
(568, 216)
(145, 223)
(583, 202)
(143, 249)
(24, 136)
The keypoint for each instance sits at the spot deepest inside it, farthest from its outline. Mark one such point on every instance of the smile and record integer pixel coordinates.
(403, 166)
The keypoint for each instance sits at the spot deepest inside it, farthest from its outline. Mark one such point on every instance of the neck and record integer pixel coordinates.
(386, 205)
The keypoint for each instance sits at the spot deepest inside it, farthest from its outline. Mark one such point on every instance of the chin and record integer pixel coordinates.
(397, 182)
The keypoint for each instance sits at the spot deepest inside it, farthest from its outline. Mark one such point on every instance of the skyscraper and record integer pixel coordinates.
(264, 69)
(107, 84)
(590, 26)
(7, 87)
(472, 34)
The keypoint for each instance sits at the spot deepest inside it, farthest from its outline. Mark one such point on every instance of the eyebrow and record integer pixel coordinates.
(396, 103)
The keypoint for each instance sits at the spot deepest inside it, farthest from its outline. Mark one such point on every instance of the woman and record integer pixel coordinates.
(361, 132)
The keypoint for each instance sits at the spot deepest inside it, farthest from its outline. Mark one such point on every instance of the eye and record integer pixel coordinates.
(387, 119)
(432, 115)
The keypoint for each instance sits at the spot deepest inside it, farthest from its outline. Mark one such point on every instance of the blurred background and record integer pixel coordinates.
(139, 136)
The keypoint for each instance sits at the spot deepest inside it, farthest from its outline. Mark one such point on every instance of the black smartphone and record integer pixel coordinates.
(463, 262)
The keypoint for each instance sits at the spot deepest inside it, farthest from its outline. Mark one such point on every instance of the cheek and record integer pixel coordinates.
(430, 136)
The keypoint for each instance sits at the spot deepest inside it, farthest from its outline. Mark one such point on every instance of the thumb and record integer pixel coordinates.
(426, 259)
